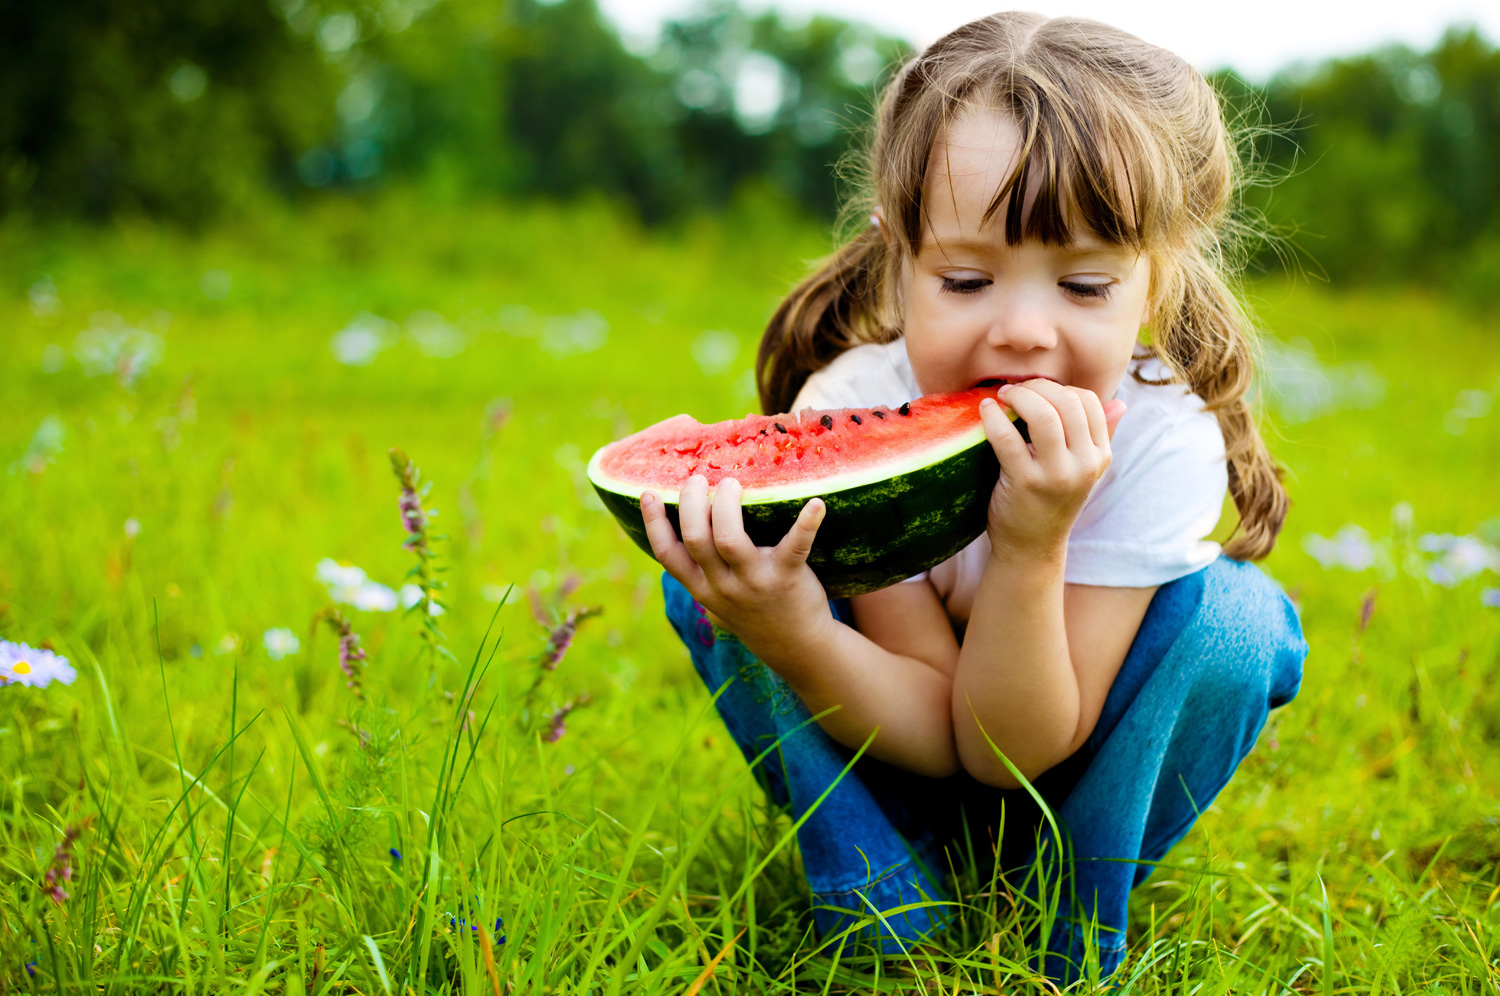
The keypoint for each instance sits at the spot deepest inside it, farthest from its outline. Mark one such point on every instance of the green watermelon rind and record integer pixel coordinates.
(884, 523)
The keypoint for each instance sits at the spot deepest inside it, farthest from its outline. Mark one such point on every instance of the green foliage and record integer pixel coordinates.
(178, 109)
(1386, 163)
(238, 813)
(194, 108)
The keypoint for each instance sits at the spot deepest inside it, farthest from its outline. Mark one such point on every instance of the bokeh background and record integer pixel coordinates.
(198, 112)
(247, 247)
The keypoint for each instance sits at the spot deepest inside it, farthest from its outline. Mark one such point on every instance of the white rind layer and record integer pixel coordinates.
(906, 463)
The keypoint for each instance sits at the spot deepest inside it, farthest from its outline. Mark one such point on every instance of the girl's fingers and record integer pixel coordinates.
(1004, 437)
(729, 525)
(665, 546)
(693, 514)
(1069, 407)
(1043, 423)
(794, 547)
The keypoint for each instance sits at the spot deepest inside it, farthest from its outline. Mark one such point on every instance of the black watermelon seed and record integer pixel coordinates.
(878, 414)
(826, 421)
(780, 428)
(762, 432)
(905, 409)
(856, 420)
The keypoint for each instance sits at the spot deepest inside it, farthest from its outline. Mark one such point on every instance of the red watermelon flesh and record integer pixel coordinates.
(771, 451)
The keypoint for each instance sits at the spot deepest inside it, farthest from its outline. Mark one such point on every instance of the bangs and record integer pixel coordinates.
(1116, 140)
(1071, 177)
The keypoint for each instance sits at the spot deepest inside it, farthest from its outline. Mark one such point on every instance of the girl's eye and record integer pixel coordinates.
(964, 285)
(1098, 292)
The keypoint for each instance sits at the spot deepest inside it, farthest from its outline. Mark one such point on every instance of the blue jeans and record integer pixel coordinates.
(1216, 652)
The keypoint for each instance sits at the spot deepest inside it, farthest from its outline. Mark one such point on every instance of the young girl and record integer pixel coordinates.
(1047, 202)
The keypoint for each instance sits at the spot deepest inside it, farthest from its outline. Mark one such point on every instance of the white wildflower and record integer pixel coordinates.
(350, 585)
(23, 665)
(1349, 549)
(281, 642)
(364, 338)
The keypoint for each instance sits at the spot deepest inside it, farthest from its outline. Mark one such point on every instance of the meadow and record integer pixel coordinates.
(193, 423)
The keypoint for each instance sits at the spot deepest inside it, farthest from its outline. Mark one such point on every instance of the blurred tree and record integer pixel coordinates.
(1387, 161)
(174, 107)
(187, 108)
(756, 97)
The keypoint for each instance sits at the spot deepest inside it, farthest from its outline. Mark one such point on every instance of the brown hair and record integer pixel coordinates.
(1116, 133)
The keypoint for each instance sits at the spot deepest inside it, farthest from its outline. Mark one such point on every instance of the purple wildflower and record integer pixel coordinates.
(413, 519)
(557, 725)
(61, 869)
(351, 654)
(1367, 609)
(561, 638)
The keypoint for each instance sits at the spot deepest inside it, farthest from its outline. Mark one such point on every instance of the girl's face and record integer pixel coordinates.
(978, 309)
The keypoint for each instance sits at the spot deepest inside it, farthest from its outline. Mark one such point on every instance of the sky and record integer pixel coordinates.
(1256, 39)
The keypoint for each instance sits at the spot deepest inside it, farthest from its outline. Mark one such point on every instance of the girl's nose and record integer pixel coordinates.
(1021, 325)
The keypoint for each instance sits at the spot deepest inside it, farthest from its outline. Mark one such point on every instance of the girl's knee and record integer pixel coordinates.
(1243, 646)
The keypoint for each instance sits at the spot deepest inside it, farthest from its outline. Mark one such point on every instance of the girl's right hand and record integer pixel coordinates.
(766, 596)
(1044, 484)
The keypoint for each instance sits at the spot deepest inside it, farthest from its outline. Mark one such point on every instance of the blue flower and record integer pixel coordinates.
(459, 921)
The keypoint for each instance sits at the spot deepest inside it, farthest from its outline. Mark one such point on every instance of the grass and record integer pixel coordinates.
(250, 825)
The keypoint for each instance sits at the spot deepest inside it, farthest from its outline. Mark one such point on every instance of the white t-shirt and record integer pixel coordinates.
(1145, 521)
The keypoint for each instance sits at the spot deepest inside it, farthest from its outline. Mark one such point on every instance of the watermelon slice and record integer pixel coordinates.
(905, 488)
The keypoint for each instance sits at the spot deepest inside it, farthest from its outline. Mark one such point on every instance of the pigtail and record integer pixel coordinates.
(1210, 344)
(836, 308)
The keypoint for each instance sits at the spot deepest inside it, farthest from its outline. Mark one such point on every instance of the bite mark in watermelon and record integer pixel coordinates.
(905, 488)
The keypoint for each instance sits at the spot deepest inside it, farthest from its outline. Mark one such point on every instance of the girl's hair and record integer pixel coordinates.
(1117, 134)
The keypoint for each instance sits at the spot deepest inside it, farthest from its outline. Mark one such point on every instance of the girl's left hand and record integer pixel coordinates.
(1043, 487)
(765, 595)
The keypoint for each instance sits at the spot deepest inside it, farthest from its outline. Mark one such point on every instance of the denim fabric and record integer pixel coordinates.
(1216, 651)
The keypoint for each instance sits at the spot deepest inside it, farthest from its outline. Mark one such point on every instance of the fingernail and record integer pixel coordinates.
(647, 499)
(987, 402)
(1005, 387)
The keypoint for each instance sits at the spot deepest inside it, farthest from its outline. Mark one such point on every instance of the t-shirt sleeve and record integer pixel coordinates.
(1147, 521)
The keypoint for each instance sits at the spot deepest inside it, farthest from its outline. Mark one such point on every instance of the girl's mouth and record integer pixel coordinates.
(1015, 379)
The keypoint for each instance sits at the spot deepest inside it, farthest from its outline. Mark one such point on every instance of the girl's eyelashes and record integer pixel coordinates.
(964, 285)
(1076, 288)
(1097, 292)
